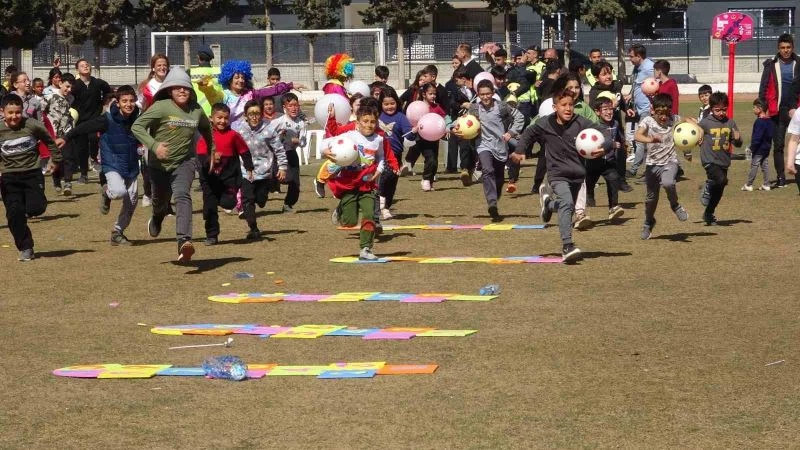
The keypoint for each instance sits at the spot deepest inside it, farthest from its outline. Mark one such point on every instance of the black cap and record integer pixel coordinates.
(207, 52)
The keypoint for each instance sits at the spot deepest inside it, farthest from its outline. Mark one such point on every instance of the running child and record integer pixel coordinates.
(429, 149)
(565, 169)
(662, 161)
(719, 133)
(396, 128)
(293, 130)
(606, 165)
(760, 145)
(220, 173)
(500, 126)
(58, 105)
(21, 179)
(167, 129)
(266, 151)
(355, 185)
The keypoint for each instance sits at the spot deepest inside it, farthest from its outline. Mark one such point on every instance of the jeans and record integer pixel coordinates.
(758, 161)
(493, 177)
(566, 193)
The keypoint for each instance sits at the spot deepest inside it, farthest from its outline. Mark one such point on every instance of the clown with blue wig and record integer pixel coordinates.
(235, 89)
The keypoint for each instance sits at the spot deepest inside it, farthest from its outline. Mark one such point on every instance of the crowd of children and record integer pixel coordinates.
(249, 137)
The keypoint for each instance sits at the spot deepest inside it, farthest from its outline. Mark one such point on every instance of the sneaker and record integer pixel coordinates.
(153, 227)
(466, 178)
(319, 189)
(477, 176)
(335, 217)
(253, 234)
(615, 212)
(535, 189)
(781, 183)
(544, 197)
(26, 255)
(710, 220)
(426, 185)
(494, 214)
(582, 222)
(705, 196)
(590, 202)
(287, 209)
(57, 186)
(117, 238)
(647, 230)
(105, 202)
(747, 187)
(626, 188)
(67, 191)
(170, 211)
(765, 187)
(386, 214)
(630, 173)
(406, 169)
(681, 214)
(367, 255)
(570, 253)
(83, 179)
(511, 188)
(146, 201)
(185, 250)
(227, 211)
(211, 240)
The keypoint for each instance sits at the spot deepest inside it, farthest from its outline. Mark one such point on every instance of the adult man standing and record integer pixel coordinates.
(642, 69)
(780, 87)
(204, 70)
(89, 97)
(596, 56)
(464, 54)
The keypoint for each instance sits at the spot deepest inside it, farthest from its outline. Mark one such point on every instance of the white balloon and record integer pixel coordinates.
(358, 86)
(341, 109)
(546, 108)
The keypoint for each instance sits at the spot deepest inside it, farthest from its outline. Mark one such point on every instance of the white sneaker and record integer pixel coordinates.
(367, 255)
(319, 189)
(747, 187)
(288, 209)
(764, 187)
(406, 169)
(426, 185)
(146, 201)
(582, 221)
(386, 214)
(335, 217)
(477, 176)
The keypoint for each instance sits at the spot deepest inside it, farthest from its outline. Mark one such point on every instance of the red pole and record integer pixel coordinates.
(731, 69)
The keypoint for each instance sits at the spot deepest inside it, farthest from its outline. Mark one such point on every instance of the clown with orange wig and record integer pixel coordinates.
(338, 69)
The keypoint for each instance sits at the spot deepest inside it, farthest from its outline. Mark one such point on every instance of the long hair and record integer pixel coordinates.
(153, 60)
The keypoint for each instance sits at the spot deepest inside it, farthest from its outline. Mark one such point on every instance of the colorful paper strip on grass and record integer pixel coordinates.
(450, 227)
(451, 260)
(337, 370)
(307, 331)
(404, 297)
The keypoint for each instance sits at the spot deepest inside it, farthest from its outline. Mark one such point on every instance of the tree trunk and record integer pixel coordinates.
(401, 61)
(268, 37)
(187, 53)
(311, 64)
(567, 33)
(508, 33)
(96, 60)
(621, 50)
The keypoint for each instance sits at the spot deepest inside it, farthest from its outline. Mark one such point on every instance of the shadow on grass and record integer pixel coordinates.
(53, 217)
(244, 241)
(629, 205)
(204, 265)
(434, 216)
(148, 241)
(60, 253)
(303, 211)
(71, 198)
(405, 216)
(507, 216)
(728, 223)
(617, 221)
(683, 237)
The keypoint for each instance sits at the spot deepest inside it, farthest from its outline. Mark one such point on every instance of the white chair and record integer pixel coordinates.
(304, 152)
(319, 137)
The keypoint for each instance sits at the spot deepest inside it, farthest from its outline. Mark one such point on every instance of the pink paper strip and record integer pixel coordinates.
(420, 299)
(390, 335)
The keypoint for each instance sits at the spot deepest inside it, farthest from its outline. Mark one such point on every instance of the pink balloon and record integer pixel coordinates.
(482, 76)
(416, 110)
(650, 86)
(431, 127)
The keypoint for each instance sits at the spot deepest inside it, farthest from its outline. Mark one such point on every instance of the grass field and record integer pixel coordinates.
(644, 344)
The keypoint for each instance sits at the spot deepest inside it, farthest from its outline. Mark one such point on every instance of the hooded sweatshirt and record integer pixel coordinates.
(563, 161)
(166, 122)
(717, 140)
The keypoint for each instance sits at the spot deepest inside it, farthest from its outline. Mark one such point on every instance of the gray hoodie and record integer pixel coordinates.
(265, 147)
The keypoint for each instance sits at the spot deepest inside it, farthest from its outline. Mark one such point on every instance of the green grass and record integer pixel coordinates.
(645, 344)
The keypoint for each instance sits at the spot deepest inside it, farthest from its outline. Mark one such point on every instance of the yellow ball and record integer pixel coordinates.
(469, 126)
(686, 135)
(74, 114)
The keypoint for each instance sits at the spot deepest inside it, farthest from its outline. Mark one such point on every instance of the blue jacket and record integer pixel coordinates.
(118, 147)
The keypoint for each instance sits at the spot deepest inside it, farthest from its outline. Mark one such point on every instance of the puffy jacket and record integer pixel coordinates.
(772, 86)
(118, 148)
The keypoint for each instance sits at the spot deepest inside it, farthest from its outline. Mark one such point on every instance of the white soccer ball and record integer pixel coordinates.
(344, 150)
(588, 141)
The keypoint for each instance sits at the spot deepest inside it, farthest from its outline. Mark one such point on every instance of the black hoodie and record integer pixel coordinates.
(563, 161)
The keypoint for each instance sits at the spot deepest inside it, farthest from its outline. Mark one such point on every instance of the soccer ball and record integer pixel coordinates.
(686, 135)
(650, 86)
(344, 151)
(74, 113)
(588, 141)
(468, 125)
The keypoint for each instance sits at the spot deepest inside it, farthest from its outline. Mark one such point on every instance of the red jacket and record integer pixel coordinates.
(670, 87)
(772, 86)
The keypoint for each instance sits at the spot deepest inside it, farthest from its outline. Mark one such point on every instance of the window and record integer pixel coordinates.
(462, 20)
(236, 15)
(558, 23)
(770, 22)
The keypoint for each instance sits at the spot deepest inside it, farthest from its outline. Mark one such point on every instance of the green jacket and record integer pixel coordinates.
(165, 122)
(19, 148)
